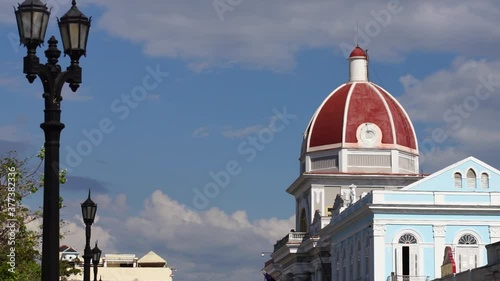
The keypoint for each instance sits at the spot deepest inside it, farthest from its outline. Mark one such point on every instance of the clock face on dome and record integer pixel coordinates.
(369, 134)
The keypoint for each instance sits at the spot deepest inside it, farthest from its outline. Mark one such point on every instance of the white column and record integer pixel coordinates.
(395, 161)
(494, 233)
(439, 241)
(307, 164)
(343, 160)
(378, 252)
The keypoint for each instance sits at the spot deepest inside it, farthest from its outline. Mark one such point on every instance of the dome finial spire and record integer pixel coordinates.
(357, 33)
(358, 65)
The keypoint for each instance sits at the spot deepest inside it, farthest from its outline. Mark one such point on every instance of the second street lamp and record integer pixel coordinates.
(89, 209)
(96, 257)
(32, 18)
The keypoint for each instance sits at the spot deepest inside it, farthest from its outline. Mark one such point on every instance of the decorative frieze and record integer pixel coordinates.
(317, 196)
(378, 229)
(439, 230)
(494, 231)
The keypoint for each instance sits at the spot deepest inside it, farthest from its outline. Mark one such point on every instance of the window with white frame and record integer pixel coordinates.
(467, 252)
(467, 239)
(485, 180)
(471, 179)
(458, 180)
(406, 256)
(407, 238)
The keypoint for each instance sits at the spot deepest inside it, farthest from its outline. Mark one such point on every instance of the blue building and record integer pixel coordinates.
(363, 210)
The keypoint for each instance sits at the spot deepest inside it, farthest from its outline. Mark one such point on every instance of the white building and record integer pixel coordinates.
(128, 267)
(67, 253)
(363, 210)
(489, 272)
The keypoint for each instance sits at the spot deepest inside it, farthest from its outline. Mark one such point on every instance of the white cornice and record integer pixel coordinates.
(298, 185)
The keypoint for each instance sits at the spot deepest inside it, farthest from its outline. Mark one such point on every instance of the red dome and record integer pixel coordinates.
(338, 121)
(357, 52)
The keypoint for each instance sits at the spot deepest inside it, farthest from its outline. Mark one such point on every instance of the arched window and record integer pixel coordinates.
(407, 238)
(471, 179)
(467, 252)
(406, 256)
(458, 180)
(303, 221)
(467, 239)
(485, 180)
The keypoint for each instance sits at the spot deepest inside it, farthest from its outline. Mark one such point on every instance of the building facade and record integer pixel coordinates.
(363, 210)
(128, 267)
(489, 272)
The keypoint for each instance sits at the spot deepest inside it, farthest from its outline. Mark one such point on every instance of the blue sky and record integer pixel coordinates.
(230, 69)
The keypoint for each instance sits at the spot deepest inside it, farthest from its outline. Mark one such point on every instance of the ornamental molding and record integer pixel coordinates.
(379, 229)
(494, 231)
(317, 196)
(439, 230)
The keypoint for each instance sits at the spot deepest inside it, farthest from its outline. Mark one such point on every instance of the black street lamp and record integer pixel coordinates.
(96, 257)
(89, 209)
(32, 18)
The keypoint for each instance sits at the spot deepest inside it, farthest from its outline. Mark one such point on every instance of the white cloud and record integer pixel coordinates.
(441, 157)
(259, 34)
(458, 109)
(201, 132)
(199, 244)
(74, 235)
(269, 34)
(117, 204)
(241, 133)
(449, 88)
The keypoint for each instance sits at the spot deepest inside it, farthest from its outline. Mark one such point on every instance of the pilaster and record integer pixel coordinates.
(378, 270)
(395, 161)
(439, 244)
(494, 233)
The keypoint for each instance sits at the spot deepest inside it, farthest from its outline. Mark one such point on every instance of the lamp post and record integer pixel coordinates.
(32, 17)
(89, 209)
(96, 257)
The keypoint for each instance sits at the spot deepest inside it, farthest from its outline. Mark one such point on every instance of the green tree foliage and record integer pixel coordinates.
(19, 255)
(66, 269)
(19, 245)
